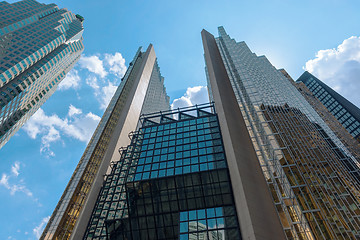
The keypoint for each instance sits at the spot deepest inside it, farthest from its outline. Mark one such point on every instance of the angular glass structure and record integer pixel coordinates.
(171, 182)
(345, 137)
(312, 176)
(39, 44)
(140, 91)
(344, 111)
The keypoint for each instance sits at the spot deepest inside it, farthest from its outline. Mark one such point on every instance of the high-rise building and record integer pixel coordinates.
(344, 111)
(140, 91)
(162, 175)
(171, 182)
(311, 175)
(257, 163)
(39, 44)
(345, 137)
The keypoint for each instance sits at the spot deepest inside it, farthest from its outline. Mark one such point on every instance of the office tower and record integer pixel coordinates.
(171, 182)
(312, 177)
(39, 44)
(140, 90)
(345, 137)
(344, 111)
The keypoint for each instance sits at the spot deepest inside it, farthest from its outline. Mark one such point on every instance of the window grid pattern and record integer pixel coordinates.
(206, 223)
(40, 44)
(149, 206)
(179, 148)
(338, 109)
(68, 209)
(316, 175)
(352, 144)
(256, 85)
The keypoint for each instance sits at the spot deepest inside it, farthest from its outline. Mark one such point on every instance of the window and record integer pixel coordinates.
(207, 224)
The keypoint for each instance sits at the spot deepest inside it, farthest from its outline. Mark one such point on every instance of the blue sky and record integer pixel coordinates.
(36, 164)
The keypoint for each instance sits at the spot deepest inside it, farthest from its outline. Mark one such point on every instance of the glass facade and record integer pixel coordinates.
(203, 223)
(171, 182)
(343, 110)
(156, 91)
(73, 201)
(346, 138)
(312, 176)
(39, 44)
(69, 206)
(319, 177)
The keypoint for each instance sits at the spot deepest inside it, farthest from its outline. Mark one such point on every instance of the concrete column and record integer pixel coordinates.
(254, 205)
(127, 122)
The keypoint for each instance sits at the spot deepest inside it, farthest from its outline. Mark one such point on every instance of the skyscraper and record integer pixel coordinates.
(344, 111)
(312, 177)
(186, 174)
(258, 163)
(344, 136)
(140, 91)
(39, 44)
(171, 182)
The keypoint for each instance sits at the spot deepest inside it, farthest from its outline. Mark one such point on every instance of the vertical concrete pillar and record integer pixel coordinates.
(256, 212)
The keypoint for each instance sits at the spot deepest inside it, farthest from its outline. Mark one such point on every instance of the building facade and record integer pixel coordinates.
(171, 182)
(39, 44)
(343, 110)
(140, 89)
(312, 176)
(344, 136)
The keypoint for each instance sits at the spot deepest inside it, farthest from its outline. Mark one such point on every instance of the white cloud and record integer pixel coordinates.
(193, 95)
(93, 64)
(40, 228)
(15, 169)
(107, 93)
(84, 126)
(101, 72)
(5, 181)
(72, 80)
(19, 186)
(339, 68)
(92, 82)
(104, 93)
(52, 135)
(116, 63)
(75, 125)
(74, 111)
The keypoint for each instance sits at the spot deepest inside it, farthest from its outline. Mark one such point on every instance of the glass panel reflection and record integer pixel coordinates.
(204, 224)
